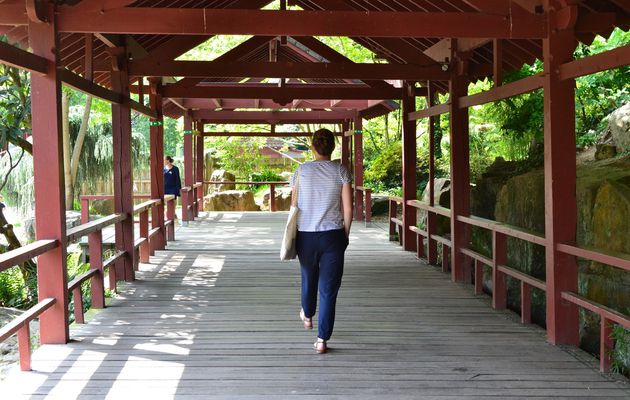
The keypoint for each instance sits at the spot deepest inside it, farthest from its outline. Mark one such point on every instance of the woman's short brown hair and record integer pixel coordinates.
(324, 142)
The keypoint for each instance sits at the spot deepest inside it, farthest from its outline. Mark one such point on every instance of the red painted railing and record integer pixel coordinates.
(500, 270)
(272, 189)
(367, 199)
(96, 275)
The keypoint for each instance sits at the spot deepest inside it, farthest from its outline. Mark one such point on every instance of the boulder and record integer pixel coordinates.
(211, 164)
(619, 127)
(604, 151)
(230, 200)
(221, 175)
(283, 199)
(442, 197)
(102, 207)
(380, 204)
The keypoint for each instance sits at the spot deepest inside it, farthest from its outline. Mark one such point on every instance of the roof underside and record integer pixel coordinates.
(421, 51)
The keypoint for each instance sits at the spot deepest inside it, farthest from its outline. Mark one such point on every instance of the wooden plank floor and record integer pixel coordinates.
(216, 317)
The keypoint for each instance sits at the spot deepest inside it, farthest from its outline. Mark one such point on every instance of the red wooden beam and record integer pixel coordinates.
(409, 165)
(231, 104)
(123, 171)
(187, 21)
(50, 210)
(156, 141)
(289, 70)
(503, 92)
(261, 134)
(431, 111)
(19, 58)
(267, 117)
(284, 95)
(358, 167)
(560, 186)
(460, 174)
(80, 83)
(600, 62)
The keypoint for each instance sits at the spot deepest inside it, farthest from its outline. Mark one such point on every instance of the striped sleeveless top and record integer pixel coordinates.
(319, 195)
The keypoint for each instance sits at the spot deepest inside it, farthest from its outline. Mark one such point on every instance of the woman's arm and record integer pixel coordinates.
(346, 203)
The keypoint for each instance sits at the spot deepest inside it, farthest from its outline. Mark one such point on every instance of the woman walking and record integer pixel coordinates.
(172, 180)
(324, 198)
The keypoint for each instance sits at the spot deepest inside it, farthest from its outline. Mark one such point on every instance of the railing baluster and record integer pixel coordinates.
(97, 287)
(499, 257)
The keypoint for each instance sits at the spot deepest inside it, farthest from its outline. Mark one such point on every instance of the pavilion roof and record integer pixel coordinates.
(594, 17)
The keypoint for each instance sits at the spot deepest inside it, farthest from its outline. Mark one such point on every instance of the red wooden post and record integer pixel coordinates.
(123, 171)
(170, 214)
(460, 171)
(358, 167)
(431, 217)
(144, 233)
(272, 197)
(50, 214)
(188, 167)
(560, 180)
(156, 139)
(392, 214)
(345, 145)
(97, 285)
(526, 303)
(185, 199)
(445, 258)
(78, 305)
(420, 246)
(499, 257)
(200, 166)
(606, 345)
(478, 277)
(24, 345)
(368, 207)
(85, 211)
(409, 165)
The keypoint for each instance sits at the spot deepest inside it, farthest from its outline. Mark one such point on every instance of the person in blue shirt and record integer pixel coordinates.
(172, 180)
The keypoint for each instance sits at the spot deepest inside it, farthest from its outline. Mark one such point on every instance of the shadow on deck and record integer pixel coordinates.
(216, 316)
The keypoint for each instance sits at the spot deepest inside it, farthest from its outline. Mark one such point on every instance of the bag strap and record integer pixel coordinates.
(296, 187)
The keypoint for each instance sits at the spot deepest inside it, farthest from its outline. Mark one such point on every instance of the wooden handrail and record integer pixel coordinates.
(93, 226)
(16, 324)
(77, 281)
(146, 206)
(397, 199)
(247, 183)
(608, 257)
(426, 207)
(530, 280)
(111, 260)
(506, 229)
(602, 310)
(18, 256)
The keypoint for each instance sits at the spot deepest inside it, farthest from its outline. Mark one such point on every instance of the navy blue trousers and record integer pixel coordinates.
(321, 262)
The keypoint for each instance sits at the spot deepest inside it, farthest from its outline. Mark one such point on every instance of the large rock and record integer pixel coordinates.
(230, 200)
(380, 204)
(283, 199)
(221, 175)
(102, 207)
(442, 197)
(619, 127)
(603, 221)
(211, 164)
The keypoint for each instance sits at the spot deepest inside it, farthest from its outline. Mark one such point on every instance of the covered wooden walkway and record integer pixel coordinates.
(215, 316)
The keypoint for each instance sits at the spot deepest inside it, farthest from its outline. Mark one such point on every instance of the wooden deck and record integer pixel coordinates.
(216, 316)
